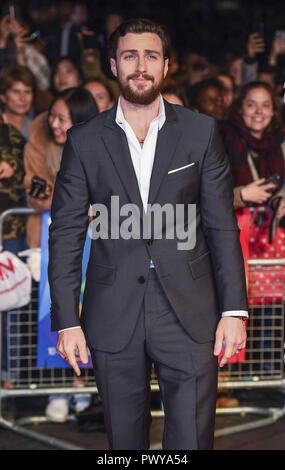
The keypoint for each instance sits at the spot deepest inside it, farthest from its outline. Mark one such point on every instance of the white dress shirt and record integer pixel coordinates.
(143, 157)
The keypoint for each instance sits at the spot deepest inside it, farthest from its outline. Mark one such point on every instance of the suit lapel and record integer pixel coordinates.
(117, 146)
(116, 143)
(167, 140)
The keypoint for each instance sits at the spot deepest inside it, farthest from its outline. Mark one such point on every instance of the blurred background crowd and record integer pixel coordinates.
(227, 61)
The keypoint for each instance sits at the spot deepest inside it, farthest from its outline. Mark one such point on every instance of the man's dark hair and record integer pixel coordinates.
(139, 26)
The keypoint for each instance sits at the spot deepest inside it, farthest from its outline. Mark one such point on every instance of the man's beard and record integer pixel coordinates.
(144, 97)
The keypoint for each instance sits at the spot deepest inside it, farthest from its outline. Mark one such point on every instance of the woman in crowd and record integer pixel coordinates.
(175, 94)
(17, 89)
(43, 152)
(11, 195)
(228, 90)
(42, 158)
(66, 74)
(17, 93)
(254, 141)
(101, 92)
(207, 97)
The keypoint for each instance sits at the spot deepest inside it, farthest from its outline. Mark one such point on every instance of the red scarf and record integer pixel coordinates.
(238, 141)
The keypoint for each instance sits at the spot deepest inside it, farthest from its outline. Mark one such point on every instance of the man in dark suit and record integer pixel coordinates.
(147, 301)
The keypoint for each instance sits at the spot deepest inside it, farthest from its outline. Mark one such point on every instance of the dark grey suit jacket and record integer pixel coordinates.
(200, 283)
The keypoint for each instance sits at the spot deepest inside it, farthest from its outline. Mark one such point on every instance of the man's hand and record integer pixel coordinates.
(232, 331)
(255, 44)
(71, 345)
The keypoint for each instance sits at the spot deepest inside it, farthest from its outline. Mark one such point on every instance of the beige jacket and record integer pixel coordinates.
(42, 157)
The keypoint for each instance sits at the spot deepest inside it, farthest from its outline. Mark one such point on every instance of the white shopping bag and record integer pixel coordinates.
(15, 282)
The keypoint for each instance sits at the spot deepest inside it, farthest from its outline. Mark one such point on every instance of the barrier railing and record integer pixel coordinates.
(28, 379)
(262, 368)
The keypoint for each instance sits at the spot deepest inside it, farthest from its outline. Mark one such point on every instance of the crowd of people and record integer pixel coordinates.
(55, 73)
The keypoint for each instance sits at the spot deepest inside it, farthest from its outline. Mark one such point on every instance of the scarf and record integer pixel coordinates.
(238, 141)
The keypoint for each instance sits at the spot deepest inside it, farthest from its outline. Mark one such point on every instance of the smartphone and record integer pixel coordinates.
(35, 35)
(12, 11)
(38, 186)
(261, 30)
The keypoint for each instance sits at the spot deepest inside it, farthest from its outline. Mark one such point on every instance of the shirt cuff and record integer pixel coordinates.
(71, 328)
(235, 313)
(228, 313)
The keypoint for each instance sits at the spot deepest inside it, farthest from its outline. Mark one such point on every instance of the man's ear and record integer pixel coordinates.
(113, 66)
(166, 62)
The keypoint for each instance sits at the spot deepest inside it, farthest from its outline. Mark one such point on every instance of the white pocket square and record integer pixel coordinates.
(181, 168)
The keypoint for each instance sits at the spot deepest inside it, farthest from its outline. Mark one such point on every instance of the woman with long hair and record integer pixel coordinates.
(101, 91)
(254, 141)
(42, 155)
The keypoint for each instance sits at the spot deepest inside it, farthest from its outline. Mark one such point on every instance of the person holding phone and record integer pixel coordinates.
(24, 51)
(92, 60)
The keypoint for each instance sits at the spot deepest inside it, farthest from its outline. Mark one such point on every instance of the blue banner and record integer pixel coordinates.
(47, 355)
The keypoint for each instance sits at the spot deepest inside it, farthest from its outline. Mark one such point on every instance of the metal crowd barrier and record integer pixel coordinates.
(264, 362)
(262, 368)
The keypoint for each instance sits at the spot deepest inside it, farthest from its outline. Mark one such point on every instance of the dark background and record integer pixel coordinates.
(210, 27)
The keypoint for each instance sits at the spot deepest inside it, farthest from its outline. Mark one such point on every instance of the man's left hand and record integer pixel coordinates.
(232, 331)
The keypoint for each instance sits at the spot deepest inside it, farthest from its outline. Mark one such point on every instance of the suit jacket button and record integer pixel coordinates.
(141, 280)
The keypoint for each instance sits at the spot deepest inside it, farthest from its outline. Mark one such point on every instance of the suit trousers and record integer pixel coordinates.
(187, 375)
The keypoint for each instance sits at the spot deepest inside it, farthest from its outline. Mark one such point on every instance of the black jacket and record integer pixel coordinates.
(200, 283)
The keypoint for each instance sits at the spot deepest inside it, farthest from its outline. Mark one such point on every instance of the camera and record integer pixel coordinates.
(274, 179)
(38, 186)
